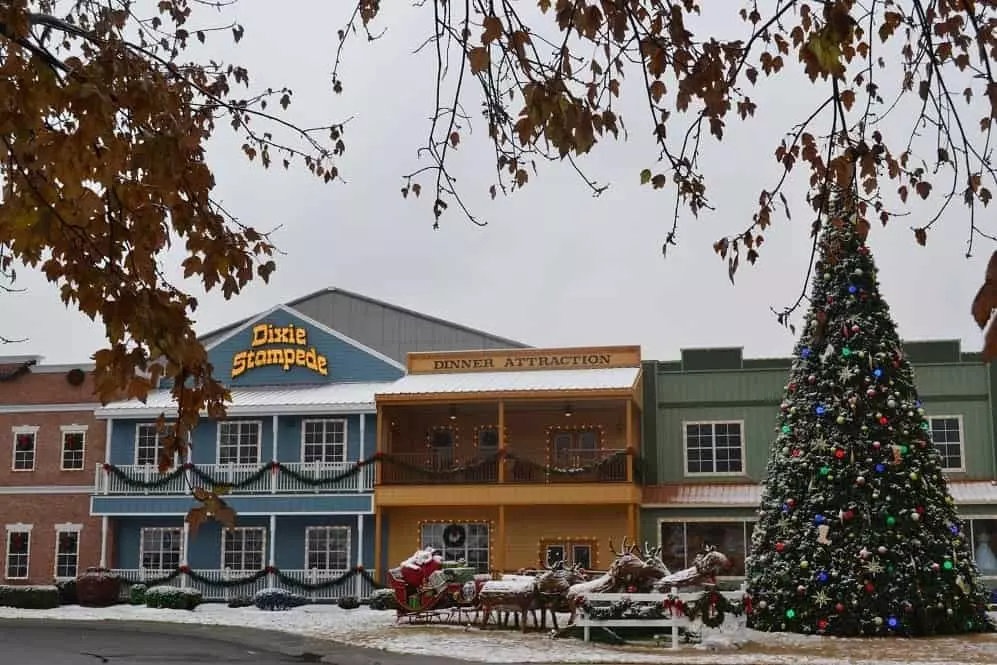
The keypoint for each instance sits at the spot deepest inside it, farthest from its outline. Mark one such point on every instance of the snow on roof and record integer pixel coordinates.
(326, 398)
(618, 378)
(746, 495)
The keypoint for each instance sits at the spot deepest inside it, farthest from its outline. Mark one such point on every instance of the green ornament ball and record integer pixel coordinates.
(891, 520)
(790, 613)
(846, 352)
(948, 565)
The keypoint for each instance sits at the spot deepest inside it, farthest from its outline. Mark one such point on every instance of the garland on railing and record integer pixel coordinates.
(274, 467)
(711, 607)
(251, 578)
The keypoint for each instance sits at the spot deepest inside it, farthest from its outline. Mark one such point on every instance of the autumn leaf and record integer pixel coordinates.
(985, 301)
(493, 29)
(645, 176)
(921, 235)
(479, 58)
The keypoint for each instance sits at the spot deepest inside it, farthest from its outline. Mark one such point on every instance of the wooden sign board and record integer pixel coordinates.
(520, 360)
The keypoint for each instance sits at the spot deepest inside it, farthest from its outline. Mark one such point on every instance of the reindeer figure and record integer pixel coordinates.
(653, 568)
(704, 570)
(623, 573)
(552, 590)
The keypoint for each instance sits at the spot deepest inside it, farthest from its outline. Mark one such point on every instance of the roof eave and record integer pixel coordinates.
(345, 408)
(467, 396)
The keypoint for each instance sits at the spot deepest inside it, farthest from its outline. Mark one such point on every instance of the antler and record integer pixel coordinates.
(623, 546)
(613, 549)
(651, 553)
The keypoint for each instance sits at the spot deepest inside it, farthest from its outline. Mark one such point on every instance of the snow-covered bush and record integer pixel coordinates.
(273, 600)
(348, 602)
(172, 598)
(383, 599)
(136, 594)
(30, 597)
(67, 592)
(98, 587)
(240, 601)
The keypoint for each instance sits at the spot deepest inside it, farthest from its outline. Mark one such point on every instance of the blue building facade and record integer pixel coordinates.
(291, 454)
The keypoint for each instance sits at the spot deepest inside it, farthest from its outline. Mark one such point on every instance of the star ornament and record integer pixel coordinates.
(847, 373)
(821, 599)
(873, 567)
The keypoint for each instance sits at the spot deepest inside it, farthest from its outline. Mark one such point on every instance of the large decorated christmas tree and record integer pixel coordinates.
(857, 532)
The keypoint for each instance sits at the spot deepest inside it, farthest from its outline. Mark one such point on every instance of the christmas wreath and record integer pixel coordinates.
(455, 535)
(711, 608)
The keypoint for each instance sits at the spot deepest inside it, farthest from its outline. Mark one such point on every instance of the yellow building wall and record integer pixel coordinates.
(525, 528)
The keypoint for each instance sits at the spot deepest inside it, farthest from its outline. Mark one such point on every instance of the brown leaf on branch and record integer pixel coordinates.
(985, 301)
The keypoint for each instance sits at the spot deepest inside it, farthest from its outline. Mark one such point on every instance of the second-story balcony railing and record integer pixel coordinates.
(266, 478)
(568, 466)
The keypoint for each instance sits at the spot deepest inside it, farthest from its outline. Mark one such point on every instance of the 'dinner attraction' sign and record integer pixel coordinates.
(286, 346)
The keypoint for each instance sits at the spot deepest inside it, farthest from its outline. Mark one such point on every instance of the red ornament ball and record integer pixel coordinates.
(870, 587)
(839, 608)
(781, 546)
(883, 420)
(839, 453)
(822, 624)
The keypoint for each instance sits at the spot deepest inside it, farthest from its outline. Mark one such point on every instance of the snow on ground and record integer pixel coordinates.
(732, 645)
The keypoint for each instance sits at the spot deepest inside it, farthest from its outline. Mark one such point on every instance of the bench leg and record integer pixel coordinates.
(585, 632)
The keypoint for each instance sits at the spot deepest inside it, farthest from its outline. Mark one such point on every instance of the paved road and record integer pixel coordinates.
(31, 642)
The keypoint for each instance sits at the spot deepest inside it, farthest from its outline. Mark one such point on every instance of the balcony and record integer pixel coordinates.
(568, 466)
(238, 479)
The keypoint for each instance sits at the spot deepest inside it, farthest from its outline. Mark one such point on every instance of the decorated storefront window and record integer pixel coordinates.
(681, 541)
(459, 541)
(984, 533)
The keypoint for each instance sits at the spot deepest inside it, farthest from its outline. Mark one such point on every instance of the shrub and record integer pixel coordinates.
(67, 592)
(348, 602)
(98, 587)
(136, 594)
(273, 600)
(383, 599)
(29, 597)
(172, 598)
(240, 601)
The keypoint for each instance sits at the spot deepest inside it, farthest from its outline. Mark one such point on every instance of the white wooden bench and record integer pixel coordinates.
(674, 622)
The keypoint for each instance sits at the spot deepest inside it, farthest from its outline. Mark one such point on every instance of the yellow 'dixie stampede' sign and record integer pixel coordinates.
(287, 347)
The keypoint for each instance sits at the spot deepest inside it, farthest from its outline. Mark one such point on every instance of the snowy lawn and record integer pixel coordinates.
(732, 645)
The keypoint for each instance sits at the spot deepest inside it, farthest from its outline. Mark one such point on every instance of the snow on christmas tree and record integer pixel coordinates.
(857, 532)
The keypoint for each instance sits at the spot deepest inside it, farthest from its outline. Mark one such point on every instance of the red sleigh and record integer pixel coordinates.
(423, 584)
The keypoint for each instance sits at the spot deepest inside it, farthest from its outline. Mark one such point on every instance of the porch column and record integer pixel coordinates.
(273, 454)
(377, 543)
(184, 556)
(359, 578)
(108, 428)
(499, 564)
(632, 521)
(630, 441)
(272, 556)
(104, 527)
(379, 435)
(501, 444)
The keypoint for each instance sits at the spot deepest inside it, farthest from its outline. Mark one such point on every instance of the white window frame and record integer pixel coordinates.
(141, 545)
(693, 519)
(962, 442)
(61, 529)
(263, 549)
(72, 429)
(701, 474)
(240, 424)
(349, 547)
(325, 422)
(24, 529)
(24, 429)
(159, 441)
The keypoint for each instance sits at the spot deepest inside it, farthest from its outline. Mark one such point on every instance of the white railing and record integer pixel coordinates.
(212, 590)
(674, 620)
(295, 480)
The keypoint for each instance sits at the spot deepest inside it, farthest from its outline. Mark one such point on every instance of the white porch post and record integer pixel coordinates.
(185, 557)
(358, 577)
(104, 526)
(273, 457)
(272, 578)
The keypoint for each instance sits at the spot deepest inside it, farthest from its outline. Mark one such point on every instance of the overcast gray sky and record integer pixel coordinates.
(553, 266)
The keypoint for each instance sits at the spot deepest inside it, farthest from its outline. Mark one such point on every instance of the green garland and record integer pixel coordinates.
(256, 577)
(720, 605)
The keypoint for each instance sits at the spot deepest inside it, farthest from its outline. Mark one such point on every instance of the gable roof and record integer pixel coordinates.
(321, 327)
(509, 343)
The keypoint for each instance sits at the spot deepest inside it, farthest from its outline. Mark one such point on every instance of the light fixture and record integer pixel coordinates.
(568, 411)
(453, 412)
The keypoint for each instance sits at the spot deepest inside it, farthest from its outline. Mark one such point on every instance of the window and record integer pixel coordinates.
(576, 447)
(572, 553)
(473, 551)
(323, 441)
(239, 442)
(74, 439)
(946, 434)
(67, 550)
(149, 442)
(18, 551)
(488, 440)
(161, 548)
(713, 448)
(243, 549)
(327, 548)
(682, 541)
(984, 536)
(25, 439)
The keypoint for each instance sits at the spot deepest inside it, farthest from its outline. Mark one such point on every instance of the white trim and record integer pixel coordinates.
(962, 442)
(59, 528)
(259, 440)
(141, 542)
(105, 525)
(24, 429)
(11, 530)
(312, 323)
(108, 429)
(272, 550)
(346, 436)
(232, 411)
(71, 528)
(72, 429)
(743, 473)
(330, 527)
(49, 408)
(62, 369)
(360, 552)
(263, 547)
(46, 489)
(362, 432)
